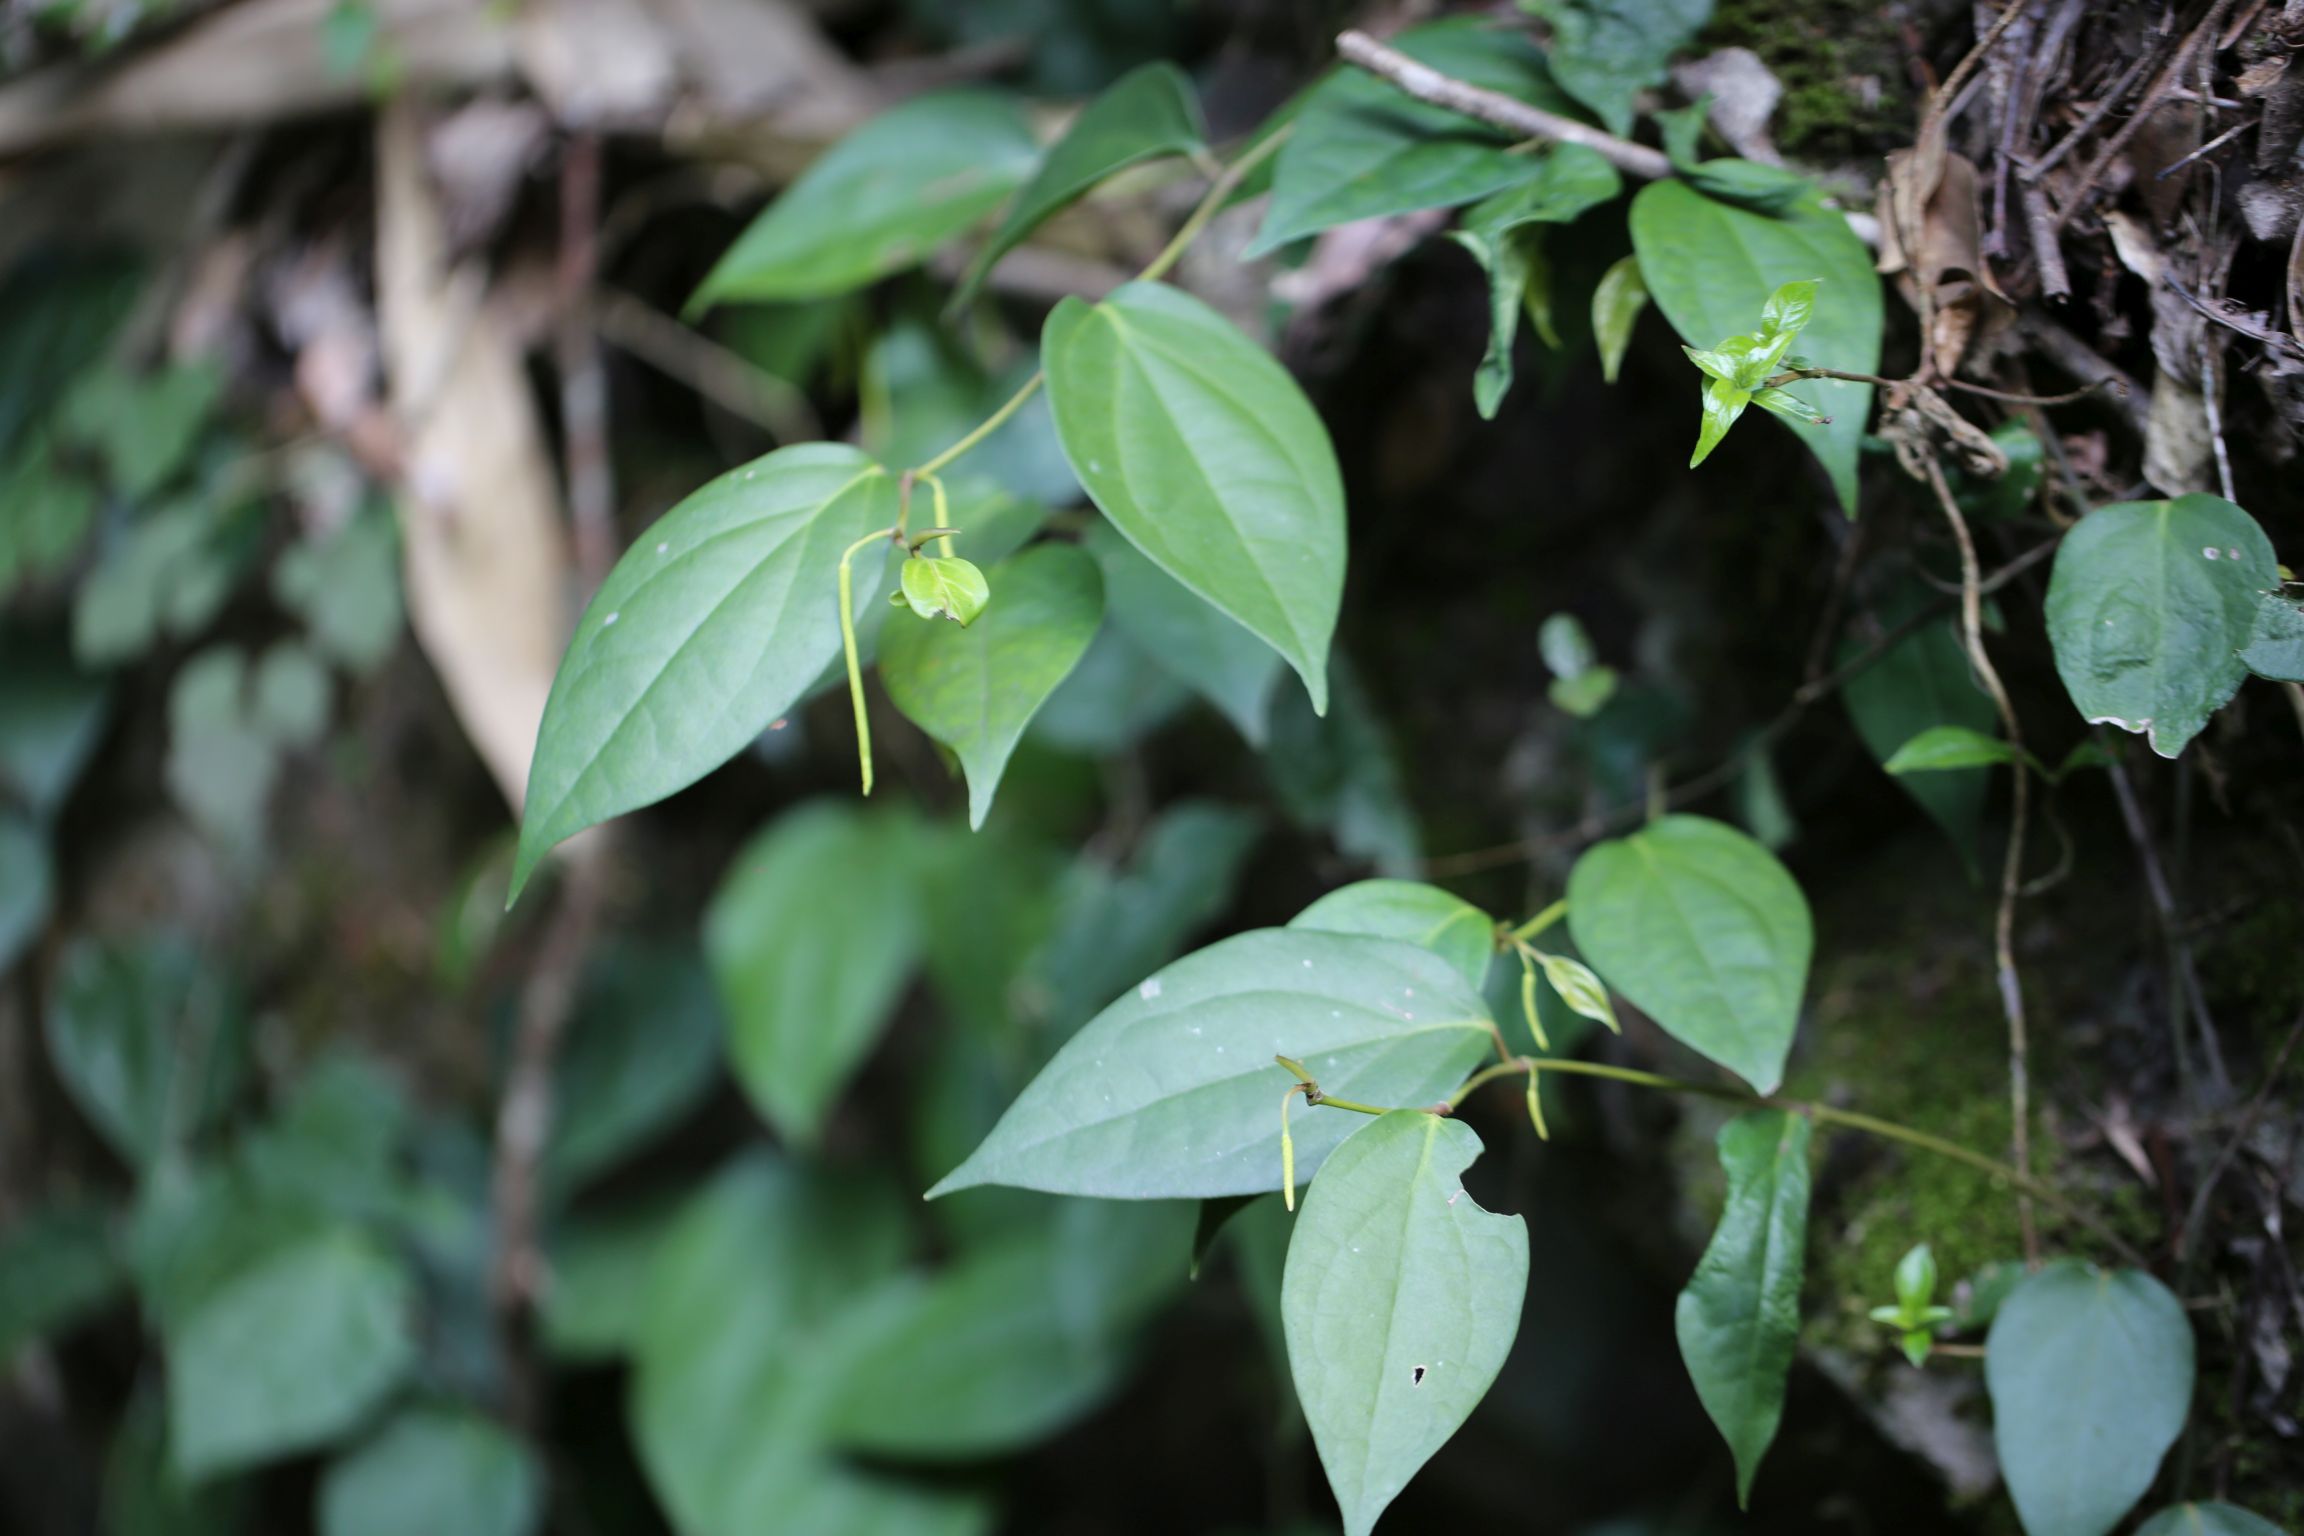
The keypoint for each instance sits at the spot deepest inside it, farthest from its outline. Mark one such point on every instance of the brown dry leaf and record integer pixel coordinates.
(1931, 227)
(487, 564)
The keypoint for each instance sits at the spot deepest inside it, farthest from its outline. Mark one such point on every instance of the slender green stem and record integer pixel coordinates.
(986, 428)
(943, 511)
(1541, 921)
(1213, 203)
(848, 649)
(1351, 1104)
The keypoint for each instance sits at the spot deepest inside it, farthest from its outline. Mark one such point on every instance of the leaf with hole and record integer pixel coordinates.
(1423, 915)
(1202, 450)
(1703, 929)
(2090, 1373)
(1400, 1301)
(2149, 608)
(976, 689)
(1173, 1093)
(882, 199)
(714, 624)
(1738, 1320)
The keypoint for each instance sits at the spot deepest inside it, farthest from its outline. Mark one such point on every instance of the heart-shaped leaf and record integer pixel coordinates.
(976, 689)
(715, 623)
(1739, 1318)
(1200, 448)
(1400, 1301)
(2090, 1373)
(1173, 1093)
(2149, 608)
(148, 1041)
(1921, 681)
(1414, 913)
(1706, 931)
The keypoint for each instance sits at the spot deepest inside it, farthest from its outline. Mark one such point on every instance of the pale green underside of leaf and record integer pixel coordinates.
(1361, 149)
(880, 200)
(712, 625)
(1414, 913)
(2091, 1378)
(1400, 1300)
(1185, 636)
(1738, 1320)
(1146, 114)
(1202, 450)
(976, 689)
(2149, 608)
(2276, 644)
(1710, 267)
(2208, 1520)
(1172, 1092)
(1703, 929)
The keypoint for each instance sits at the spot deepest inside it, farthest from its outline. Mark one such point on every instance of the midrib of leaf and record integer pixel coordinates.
(1767, 1253)
(1392, 1312)
(1451, 920)
(1688, 926)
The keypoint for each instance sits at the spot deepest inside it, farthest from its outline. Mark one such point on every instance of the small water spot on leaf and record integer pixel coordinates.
(1151, 989)
(2212, 553)
(612, 618)
(664, 549)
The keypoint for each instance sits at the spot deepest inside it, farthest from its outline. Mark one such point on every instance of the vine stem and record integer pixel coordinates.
(1540, 922)
(848, 648)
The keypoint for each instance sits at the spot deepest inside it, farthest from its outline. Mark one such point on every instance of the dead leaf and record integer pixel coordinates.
(1931, 227)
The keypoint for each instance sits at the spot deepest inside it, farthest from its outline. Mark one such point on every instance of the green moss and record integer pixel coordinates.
(1839, 64)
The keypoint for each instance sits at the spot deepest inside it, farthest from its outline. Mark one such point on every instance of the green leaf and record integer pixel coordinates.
(1504, 235)
(1784, 403)
(2207, 1520)
(1566, 648)
(165, 579)
(345, 586)
(143, 1496)
(1401, 1299)
(641, 1050)
(27, 886)
(57, 1266)
(600, 1259)
(1414, 913)
(1341, 776)
(1739, 1318)
(1605, 52)
(1916, 1280)
(1789, 308)
(144, 427)
(289, 1355)
(51, 717)
(976, 689)
(1173, 1093)
(148, 1041)
(2091, 1378)
(2275, 647)
(1362, 149)
(1945, 748)
(714, 624)
(1704, 930)
(811, 938)
(1200, 448)
(1147, 114)
(2149, 608)
(882, 199)
(1115, 698)
(1712, 266)
(1617, 301)
(1185, 636)
(1724, 401)
(430, 1471)
(944, 587)
(1924, 680)
(1578, 988)
(1585, 694)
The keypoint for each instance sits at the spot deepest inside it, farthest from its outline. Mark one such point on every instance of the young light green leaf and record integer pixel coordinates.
(433, 1470)
(1788, 309)
(2275, 647)
(1146, 114)
(1400, 1301)
(1712, 266)
(714, 624)
(1200, 448)
(1616, 304)
(1923, 680)
(1173, 1093)
(1724, 401)
(288, 1355)
(1916, 1279)
(2091, 1378)
(1605, 52)
(944, 587)
(1585, 694)
(1739, 1319)
(882, 199)
(1566, 648)
(1361, 149)
(1415, 913)
(975, 689)
(2207, 1520)
(148, 1041)
(1784, 403)
(811, 938)
(1942, 748)
(1186, 636)
(2149, 608)
(1704, 930)
(1579, 988)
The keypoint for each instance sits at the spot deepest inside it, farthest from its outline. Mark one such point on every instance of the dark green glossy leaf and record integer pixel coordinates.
(1605, 52)
(1362, 149)
(1400, 1300)
(1704, 930)
(1173, 1092)
(1712, 266)
(976, 689)
(1504, 234)
(1200, 448)
(1147, 114)
(27, 886)
(1924, 680)
(1414, 913)
(430, 1471)
(2207, 1520)
(1739, 1318)
(600, 1259)
(882, 199)
(1341, 776)
(712, 625)
(642, 1048)
(811, 938)
(148, 1041)
(51, 716)
(1185, 636)
(2149, 608)
(2275, 646)
(2091, 1378)
(57, 1266)
(1116, 697)
(1617, 302)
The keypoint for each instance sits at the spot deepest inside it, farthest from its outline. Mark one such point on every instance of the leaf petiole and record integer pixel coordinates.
(848, 648)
